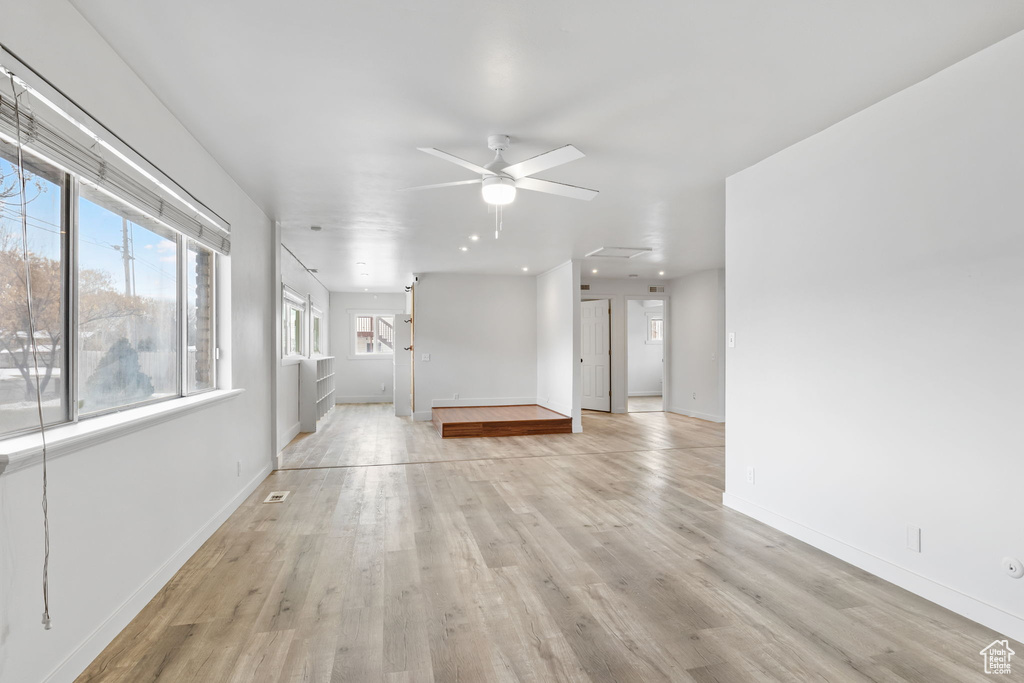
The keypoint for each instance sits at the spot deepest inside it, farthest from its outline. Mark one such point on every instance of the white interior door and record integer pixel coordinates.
(595, 355)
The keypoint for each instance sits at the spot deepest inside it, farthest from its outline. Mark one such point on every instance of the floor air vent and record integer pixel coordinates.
(277, 496)
(585, 287)
(657, 289)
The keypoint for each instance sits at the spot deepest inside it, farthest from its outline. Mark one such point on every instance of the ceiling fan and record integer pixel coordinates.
(500, 180)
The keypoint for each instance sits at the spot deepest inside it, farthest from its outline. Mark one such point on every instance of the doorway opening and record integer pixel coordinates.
(645, 355)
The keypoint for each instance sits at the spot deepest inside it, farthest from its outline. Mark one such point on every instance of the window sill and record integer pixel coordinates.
(291, 360)
(22, 452)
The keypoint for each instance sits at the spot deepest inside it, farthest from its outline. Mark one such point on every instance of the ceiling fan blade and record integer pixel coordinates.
(543, 162)
(538, 185)
(455, 160)
(477, 181)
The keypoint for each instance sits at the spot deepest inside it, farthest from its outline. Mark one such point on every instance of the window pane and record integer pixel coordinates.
(364, 334)
(316, 334)
(296, 331)
(199, 305)
(127, 308)
(386, 334)
(18, 375)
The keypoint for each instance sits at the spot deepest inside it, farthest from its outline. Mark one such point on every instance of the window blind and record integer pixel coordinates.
(65, 141)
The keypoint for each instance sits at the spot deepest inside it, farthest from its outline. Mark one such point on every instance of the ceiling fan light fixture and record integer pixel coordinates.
(499, 190)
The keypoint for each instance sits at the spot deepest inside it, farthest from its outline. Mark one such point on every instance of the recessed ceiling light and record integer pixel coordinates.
(474, 237)
(360, 263)
(634, 275)
(525, 268)
(463, 248)
(364, 274)
(594, 271)
(661, 272)
(315, 228)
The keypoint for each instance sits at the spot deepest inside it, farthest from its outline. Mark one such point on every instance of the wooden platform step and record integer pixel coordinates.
(475, 421)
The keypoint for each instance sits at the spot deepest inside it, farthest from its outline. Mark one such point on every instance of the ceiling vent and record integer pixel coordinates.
(277, 496)
(656, 289)
(619, 252)
(585, 288)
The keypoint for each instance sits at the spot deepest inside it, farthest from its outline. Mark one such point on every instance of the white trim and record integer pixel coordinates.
(21, 452)
(694, 413)
(634, 394)
(985, 614)
(558, 408)
(379, 398)
(83, 655)
(287, 435)
(422, 416)
(474, 402)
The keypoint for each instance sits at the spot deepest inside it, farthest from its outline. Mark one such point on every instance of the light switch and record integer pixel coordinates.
(425, 357)
(732, 340)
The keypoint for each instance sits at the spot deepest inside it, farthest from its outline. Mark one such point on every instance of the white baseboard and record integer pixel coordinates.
(693, 413)
(644, 393)
(985, 614)
(375, 398)
(558, 408)
(422, 416)
(90, 648)
(287, 435)
(456, 403)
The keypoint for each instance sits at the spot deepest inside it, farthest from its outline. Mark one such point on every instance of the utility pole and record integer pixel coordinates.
(126, 257)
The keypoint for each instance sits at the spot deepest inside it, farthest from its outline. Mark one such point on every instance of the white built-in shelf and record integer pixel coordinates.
(316, 390)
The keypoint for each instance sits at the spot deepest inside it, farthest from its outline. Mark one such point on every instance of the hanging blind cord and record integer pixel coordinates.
(35, 358)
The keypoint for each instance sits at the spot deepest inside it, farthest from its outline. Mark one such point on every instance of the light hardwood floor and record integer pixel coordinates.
(644, 404)
(603, 556)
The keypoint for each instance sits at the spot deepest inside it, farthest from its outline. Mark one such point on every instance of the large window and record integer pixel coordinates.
(318, 330)
(127, 309)
(37, 359)
(294, 321)
(373, 334)
(142, 329)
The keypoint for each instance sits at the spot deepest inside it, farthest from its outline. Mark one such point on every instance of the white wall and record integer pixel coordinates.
(557, 338)
(481, 334)
(617, 291)
(358, 380)
(126, 514)
(697, 336)
(875, 287)
(643, 366)
(300, 280)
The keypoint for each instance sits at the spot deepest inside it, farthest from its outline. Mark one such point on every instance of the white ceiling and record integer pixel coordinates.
(316, 108)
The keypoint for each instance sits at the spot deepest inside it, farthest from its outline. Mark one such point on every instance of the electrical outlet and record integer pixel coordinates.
(456, 396)
(695, 396)
(382, 387)
(914, 538)
(1013, 567)
(238, 468)
(750, 475)
(732, 340)
(425, 357)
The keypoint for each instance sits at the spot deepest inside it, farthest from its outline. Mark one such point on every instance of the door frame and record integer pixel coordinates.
(665, 344)
(611, 353)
